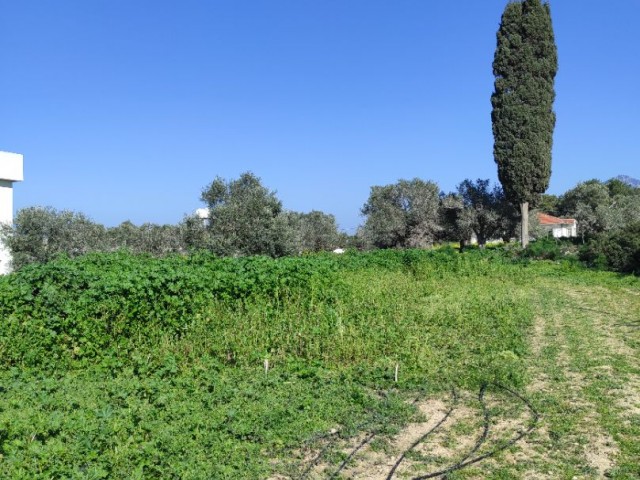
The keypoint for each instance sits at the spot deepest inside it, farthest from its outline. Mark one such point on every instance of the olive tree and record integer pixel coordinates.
(39, 234)
(600, 206)
(245, 218)
(314, 231)
(486, 210)
(403, 214)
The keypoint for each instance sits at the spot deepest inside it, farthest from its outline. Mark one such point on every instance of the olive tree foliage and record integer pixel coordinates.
(456, 220)
(148, 238)
(523, 120)
(245, 218)
(39, 234)
(404, 214)
(601, 206)
(477, 209)
(195, 233)
(314, 231)
(490, 214)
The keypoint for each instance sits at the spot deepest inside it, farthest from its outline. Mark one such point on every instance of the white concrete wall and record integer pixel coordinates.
(6, 216)
(11, 170)
(560, 231)
(11, 167)
(6, 201)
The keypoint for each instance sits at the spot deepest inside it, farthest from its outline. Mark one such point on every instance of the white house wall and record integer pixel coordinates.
(11, 170)
(11, 167)
(564, 231)
(6, 201)
(6, 216)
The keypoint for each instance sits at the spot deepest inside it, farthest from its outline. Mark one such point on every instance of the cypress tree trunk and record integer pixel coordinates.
(524, 225)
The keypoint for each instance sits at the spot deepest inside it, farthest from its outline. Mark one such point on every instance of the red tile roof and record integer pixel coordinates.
(545, 219)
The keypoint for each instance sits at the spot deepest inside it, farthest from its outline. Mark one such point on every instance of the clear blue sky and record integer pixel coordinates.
(126, 109)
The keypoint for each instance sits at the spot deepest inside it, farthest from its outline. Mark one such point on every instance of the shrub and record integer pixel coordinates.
(549, 248)
(618, 250)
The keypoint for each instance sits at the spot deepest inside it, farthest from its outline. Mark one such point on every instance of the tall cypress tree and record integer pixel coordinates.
(524, 66)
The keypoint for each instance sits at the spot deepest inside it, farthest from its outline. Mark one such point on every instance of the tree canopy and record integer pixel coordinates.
(245, 217)
(403, 214)
(601, 206)
(39, 234)
(524, 66)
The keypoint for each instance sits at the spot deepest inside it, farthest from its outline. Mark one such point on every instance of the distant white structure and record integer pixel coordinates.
(11, 170)
(339, 251)
(558, 227)
(203, 215)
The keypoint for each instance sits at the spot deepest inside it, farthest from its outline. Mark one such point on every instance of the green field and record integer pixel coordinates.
(123, 366)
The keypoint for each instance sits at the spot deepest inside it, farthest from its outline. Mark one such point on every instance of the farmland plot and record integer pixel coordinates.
(380, 365)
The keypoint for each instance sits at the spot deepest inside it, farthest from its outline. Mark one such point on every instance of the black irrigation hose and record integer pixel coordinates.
(485, 429)
(363, 443)
(460, 465)
(318, 457)
(478, 444)
(326, 448)
(454, 401)
(463, 463)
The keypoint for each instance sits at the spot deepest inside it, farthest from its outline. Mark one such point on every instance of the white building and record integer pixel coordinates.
(558, 227)
(203, 215)
(11, 170)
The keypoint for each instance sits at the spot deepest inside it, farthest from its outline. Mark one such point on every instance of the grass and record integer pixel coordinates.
(584, 379)
(189, 397)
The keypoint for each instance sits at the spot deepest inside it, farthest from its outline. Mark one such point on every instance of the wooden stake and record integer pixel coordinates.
(266, 365)
(396, 376)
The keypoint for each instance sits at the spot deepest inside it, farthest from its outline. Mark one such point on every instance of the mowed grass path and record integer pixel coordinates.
(585, 371)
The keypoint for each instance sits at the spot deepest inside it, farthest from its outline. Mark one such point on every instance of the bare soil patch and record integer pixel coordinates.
(455, 433)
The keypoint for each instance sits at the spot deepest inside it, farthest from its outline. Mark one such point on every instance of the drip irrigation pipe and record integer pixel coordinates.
(454, 401)
(358, 427)
(362, 444)
(463, 464)
(483, 436)
(326, 448)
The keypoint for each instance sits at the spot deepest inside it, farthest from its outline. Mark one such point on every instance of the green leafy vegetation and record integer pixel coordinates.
(342, 310)
(121, 365)
(618, 250)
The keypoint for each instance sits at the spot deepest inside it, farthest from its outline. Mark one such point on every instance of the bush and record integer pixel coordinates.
(549, 248)
(618, 250)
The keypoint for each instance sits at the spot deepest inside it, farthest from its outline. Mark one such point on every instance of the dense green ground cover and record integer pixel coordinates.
(122, 366)
(355, 311)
